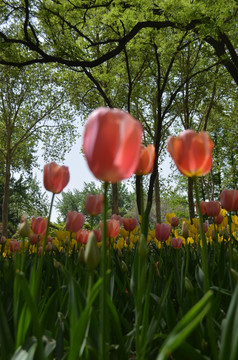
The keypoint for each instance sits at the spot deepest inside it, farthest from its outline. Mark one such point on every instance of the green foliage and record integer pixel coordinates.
(75, 200)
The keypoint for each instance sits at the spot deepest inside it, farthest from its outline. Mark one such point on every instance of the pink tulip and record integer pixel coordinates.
(82, 236)
(111, 144)
(74, 221)
(162, 231)
(55, 177)
(14, 245)
(229, 199)
(39, 225)
(93, 204)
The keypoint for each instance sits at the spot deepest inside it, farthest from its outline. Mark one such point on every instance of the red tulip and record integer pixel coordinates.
(55, 177)
(218, 219)
(229, 199)
(191, 152)
(111, 144)
(74, 221)
(176, 243)
(39, 225)
(174, 221)
(212, 208)
(202, 207)
(162, 231)
(82, 236)
(93, 204)
(34, 238)
(146, 160)
(130, 223)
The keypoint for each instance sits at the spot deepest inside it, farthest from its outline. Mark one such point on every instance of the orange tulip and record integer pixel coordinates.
(191, 152)
(113, 228)
(55, 177)
(229, 199)
(146, 160)
(111, 144)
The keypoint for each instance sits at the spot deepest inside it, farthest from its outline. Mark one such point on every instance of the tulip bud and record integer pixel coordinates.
(23, 226)
(91, 252)
(174, 221)
(124, 267)
(81, 255)
(56, 264)
(188, 285)
(185, 232)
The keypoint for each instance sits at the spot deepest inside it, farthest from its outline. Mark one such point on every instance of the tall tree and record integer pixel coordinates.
(30, 111)
(64, 32)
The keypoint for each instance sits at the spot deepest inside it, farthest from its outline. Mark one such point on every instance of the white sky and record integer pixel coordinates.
(79, 171)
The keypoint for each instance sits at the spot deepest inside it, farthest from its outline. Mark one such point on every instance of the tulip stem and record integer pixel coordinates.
(48, 222)
(230, 242)
(39, 271)
(204, 243)
(206, 284)
(103, 305)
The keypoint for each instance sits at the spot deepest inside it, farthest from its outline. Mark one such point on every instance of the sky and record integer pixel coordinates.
(79, 171)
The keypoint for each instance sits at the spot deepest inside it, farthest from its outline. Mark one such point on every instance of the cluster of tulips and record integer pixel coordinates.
(124, 232)
(113, 148)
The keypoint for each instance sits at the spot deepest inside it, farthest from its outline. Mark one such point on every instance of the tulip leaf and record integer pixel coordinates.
(229, 344)
(185, 326)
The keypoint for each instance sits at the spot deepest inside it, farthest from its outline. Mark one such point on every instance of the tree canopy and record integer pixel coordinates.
(86, 34)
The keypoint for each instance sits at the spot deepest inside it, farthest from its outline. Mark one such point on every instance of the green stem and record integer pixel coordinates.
(230, 243)
(91, 222)
(103, 305)
(39, 270)
(204, 243)
(210, 325)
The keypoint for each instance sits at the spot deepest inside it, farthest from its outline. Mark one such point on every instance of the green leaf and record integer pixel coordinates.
(185, 326)
(78, 341)
(229, 344)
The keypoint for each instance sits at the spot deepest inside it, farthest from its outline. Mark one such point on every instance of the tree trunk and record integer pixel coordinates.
(5, 203)
(157, 199)
(190, 199)
(115, 209)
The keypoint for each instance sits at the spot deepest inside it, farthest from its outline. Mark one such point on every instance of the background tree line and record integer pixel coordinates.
(172, 65)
